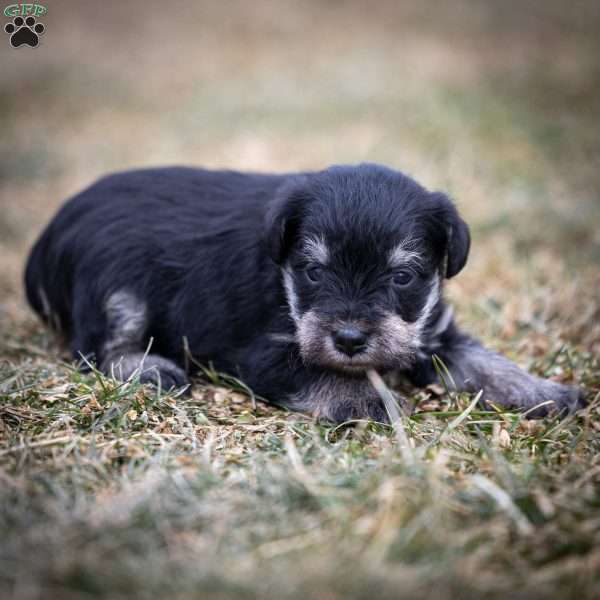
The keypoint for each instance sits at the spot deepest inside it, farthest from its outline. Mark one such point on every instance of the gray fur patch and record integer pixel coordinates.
(290, 292)
(315, 249)
(282, 338)
(432, 299)
(340, 399)
(404, 253)
(399, 338)
(51, 317)
(404, 338)
(126, 323)
(443, 322)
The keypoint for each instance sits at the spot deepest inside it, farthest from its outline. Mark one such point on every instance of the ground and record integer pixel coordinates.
(118, 491)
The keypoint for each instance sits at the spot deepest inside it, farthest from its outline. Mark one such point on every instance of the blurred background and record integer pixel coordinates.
(495, 103)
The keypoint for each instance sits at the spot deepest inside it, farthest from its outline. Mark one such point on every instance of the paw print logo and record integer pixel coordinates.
(24, 32)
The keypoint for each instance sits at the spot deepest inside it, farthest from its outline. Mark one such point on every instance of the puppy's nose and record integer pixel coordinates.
(349, 340)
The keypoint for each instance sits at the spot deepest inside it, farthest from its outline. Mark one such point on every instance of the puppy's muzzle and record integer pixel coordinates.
(350, 340)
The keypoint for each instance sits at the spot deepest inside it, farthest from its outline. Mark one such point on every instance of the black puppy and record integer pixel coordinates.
(296, 283)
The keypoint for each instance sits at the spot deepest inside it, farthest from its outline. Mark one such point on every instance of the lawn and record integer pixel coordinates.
(117, 490)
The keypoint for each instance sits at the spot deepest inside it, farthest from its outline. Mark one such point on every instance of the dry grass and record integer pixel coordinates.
(116, 491)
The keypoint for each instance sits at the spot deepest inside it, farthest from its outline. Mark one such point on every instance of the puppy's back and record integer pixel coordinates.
(132, 217)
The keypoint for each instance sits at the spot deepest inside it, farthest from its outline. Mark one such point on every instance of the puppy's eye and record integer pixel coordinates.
(403, 278)
(313, 274)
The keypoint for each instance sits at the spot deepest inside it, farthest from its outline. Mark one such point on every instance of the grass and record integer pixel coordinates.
(112, 489)
(116, 490)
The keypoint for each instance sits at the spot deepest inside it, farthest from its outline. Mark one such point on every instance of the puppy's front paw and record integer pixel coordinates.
(560, 399)
(537, 397)
(476, 368)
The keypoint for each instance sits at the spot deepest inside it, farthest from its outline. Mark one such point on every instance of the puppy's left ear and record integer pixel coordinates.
(458, 238)
(283, 217)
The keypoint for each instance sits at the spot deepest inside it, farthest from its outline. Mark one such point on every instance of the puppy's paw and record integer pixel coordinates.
(152, 368)
(162, 373)
(504, 383)
(536, 397)
(339, 399)
(560, 399)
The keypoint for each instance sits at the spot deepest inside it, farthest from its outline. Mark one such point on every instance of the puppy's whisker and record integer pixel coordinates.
(282, 338)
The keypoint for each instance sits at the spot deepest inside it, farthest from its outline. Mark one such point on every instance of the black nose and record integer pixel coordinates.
(349, 340)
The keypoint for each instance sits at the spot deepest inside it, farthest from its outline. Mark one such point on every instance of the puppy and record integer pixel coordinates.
(298, 284)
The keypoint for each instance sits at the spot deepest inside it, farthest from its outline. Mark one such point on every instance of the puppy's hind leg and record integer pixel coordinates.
(474, 367)
(120, 342)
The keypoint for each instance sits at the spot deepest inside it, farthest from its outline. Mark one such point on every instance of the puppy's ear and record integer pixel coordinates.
(283, 217)
(459, 243)
(458, 238)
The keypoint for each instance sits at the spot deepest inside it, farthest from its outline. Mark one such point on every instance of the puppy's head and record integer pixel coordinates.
(362, 252)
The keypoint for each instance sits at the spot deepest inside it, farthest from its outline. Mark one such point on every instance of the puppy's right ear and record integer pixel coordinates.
(283, 218)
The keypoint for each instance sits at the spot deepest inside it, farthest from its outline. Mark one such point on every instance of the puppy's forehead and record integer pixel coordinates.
(367, 213)
(361, 237)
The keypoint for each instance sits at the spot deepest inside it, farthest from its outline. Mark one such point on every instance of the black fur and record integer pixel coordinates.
(180, 253)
